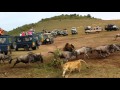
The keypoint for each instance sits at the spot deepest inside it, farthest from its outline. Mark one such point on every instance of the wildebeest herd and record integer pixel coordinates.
(103, 51)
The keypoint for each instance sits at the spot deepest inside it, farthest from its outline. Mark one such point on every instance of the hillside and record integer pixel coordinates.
(64, 21)
(56, 22)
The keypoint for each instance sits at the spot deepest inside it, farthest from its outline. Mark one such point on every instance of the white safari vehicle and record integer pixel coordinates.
(89, 29)
(74, 30)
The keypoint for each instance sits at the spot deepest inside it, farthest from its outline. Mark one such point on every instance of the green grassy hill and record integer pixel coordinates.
(66, 21)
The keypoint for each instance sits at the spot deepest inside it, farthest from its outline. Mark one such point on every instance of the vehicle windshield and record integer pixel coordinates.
(36, 38)
(3, 40)
(19, 40)
(47, 35)
(73, 27)
(25, 39)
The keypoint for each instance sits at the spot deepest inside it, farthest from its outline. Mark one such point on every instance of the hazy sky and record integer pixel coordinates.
(12, 20)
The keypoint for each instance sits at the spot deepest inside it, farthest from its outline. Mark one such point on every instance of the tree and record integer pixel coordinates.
(89, 16)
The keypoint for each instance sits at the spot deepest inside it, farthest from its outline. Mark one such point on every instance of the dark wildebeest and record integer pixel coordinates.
(115, 47)
(37, 57)
(69, 47)
(5, 57)
(29, 58)
(105, 50)
(67, 55)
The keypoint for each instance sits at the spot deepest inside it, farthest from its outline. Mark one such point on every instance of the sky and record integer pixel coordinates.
(12, 20)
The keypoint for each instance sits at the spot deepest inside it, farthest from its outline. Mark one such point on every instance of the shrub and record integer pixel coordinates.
(56, 62)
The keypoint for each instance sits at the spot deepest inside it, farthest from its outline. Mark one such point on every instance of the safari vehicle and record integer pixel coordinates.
(64, 33)
(54, 33)
(74, 30)
(6, 44)
(89, 29)
(111, 27)
(48, 38)
(27, 42)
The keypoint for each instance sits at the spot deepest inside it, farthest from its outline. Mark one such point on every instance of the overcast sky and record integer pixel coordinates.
(12, 20)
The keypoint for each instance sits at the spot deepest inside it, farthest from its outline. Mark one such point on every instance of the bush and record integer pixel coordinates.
(56, 62)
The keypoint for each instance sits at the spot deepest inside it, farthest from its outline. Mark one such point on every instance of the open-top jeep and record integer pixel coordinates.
(26, 42)
(6, 44)
(48, 38)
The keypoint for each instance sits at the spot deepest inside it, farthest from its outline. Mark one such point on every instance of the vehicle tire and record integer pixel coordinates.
(42, 43)
(52, 41)
(6, 53)
(33, 48)
(16, 49)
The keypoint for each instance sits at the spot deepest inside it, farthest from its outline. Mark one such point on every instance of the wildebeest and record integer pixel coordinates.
(72, 66)
(105, 50)
(115, 47)
(5, 57)
(84, 50)
(67, 55)
(68, 47)
(37, 57)
(29, 58)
